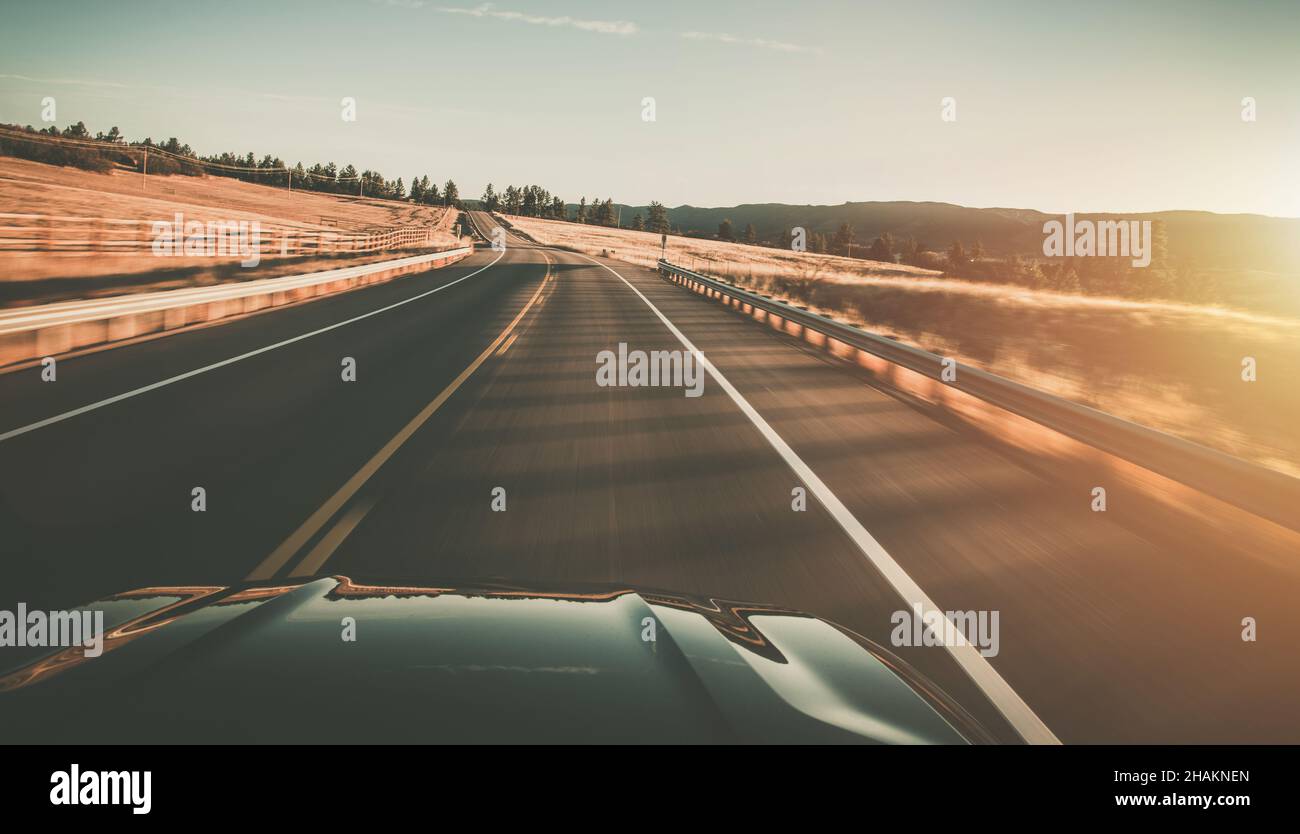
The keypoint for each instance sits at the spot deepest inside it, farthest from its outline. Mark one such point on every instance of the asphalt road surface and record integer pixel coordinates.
(486, 388)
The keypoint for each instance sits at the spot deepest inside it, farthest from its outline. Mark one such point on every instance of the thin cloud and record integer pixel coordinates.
(293, 98)
(604, 27)
(762, 43)
(81, 82)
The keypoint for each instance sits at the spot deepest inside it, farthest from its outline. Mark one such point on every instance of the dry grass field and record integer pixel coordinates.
(72, 196)
(1174, 367)
(716, 257)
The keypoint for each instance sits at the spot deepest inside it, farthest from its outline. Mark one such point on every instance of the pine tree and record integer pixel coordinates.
(842, 242)
(956, 255)
(882, 248)
(658, 220)
(606, 215)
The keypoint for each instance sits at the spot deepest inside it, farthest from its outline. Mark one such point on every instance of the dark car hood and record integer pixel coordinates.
(268, 663)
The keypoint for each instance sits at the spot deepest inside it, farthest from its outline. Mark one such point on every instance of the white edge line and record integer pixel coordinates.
(1013, 708)
(58, 418)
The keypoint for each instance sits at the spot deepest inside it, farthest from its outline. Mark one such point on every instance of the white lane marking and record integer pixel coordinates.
(67, 415)
(994, 687)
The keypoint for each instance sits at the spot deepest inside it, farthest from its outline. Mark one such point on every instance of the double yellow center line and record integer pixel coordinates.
(319, 554)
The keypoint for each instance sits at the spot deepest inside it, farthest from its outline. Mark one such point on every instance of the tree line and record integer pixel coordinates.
(535, 201)
(1105, 276)
(1114, 277)
(103, 151)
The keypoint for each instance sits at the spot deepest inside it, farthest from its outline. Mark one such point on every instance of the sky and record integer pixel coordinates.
(1060, 106)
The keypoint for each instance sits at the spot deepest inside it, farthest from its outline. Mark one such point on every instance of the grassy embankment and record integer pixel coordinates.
(31, 188)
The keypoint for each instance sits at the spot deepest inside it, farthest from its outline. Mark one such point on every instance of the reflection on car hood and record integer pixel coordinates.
(270, 663)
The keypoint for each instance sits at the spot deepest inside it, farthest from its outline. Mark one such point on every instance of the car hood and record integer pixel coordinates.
(274, 663)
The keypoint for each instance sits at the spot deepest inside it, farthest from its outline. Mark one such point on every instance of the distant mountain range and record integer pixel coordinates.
(1200, 238)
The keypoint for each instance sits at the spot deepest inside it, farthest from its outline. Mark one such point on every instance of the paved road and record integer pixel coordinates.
(1107, 633)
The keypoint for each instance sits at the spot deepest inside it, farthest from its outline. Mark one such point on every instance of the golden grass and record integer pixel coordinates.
(716, 257)
(28, 187)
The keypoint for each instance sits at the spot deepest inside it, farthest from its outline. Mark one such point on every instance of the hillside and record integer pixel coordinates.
(71, 233)
(735, 260)
(1201, 238)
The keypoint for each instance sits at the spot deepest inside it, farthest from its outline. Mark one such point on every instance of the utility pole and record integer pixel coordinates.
(144, 179)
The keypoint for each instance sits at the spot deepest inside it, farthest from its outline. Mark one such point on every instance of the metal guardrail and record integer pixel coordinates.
(31, 333)
(1248, 486)
(77, 312)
